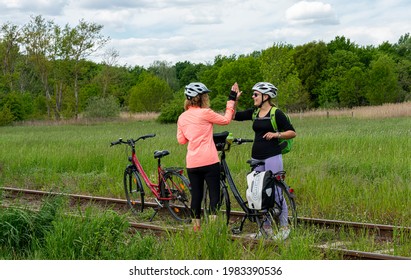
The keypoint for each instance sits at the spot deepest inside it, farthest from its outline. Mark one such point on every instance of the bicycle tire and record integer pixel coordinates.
(224, 204)
(273, 214)
(178, 187)
(133, 189)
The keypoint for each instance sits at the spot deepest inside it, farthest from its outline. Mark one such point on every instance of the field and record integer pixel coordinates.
(343, 166)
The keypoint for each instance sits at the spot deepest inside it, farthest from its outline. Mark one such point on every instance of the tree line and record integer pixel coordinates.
(47, 73)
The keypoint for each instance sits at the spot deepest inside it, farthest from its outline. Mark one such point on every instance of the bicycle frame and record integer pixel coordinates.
(171, 189)
(223, 144)
(154, 187)
(227, 174)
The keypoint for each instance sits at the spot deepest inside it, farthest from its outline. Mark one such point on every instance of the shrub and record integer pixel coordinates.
(6, 116)
(102, 107)
(171, 111)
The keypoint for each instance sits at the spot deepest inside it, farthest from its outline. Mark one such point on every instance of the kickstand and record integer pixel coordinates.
(155, 213)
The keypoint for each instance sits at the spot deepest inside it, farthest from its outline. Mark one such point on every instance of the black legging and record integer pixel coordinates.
(211, 175)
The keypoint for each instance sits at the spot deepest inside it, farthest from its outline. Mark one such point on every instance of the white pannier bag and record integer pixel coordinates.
(260, 190)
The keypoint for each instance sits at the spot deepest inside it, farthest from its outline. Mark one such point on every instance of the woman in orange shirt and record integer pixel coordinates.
(195, 127)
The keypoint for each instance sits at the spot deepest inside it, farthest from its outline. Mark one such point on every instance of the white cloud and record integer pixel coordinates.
(43, 7)
(144, 31)
(305, 12)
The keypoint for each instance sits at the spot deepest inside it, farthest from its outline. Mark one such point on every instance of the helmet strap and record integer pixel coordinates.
(262, 101)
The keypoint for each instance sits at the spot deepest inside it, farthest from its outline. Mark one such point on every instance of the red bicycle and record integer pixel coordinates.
(172, 189)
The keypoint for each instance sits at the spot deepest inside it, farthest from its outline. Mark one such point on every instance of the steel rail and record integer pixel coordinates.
(384, 231)
(347, 254)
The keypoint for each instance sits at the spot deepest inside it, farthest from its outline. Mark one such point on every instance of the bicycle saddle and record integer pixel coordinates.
(160, 154)
(255, 162)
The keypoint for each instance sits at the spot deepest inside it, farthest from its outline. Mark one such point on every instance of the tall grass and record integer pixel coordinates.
(51, 234)
(96, 235)
(341, 168)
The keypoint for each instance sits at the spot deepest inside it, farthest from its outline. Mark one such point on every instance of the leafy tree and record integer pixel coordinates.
(38, 38)
(277, 67)
(6, 116)
(208, 76)
(404, 79)
(9, 56)
(124, 78)
(292, 96)
(383, 81)
(164, 70)
(219, 103)
(387, 47)
(20, 105)
(79, 43)
(310, 60)
(366, 55)
(107, 74)
(352, 88)
(333, 77)
(245, 71)
(403, 47)
(187, 72)
(149, 94)
(341, 43)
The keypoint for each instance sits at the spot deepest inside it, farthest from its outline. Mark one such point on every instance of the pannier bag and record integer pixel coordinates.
(260, 190)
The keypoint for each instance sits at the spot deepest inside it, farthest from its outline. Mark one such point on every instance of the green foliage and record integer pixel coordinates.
(172, 110)
(187, 72)
(310, 60)
(149, 94)
(403, 47)
(58, 80)
(94, 236)
(102, 107)
(22, 230)
(341, 43)
(20, 105)
(277, 63)
(352, 87)
(91, 235)
(339, 155)
(6, 116)
(166, 72)
(219, 103)
(383, 81)
(404, 80)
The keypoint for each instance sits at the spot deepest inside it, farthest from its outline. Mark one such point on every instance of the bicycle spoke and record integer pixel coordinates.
(176, 187)
(133, 191)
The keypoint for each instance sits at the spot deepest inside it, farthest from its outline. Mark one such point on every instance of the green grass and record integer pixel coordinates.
(340, 168)
(50, 234)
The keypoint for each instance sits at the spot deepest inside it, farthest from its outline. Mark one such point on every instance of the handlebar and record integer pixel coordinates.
(240, 141)
(223, 140)
(131, 141)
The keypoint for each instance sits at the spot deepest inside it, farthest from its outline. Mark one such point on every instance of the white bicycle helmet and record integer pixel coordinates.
(266, 88)
(194, 89)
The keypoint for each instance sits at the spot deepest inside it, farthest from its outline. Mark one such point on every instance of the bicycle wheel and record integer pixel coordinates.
(133, 189)
(178, 187)
(224, 204)
(282, 218)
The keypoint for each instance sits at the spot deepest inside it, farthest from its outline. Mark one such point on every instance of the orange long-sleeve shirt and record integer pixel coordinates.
(195, 126)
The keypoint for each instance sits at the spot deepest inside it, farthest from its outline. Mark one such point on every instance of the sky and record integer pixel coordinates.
(145, 31)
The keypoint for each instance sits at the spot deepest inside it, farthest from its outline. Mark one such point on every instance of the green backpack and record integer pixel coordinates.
(285, 144)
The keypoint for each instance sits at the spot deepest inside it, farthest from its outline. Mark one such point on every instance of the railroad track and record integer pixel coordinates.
(383, 232)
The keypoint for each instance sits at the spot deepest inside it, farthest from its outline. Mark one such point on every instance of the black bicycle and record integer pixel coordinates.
(285, 194)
